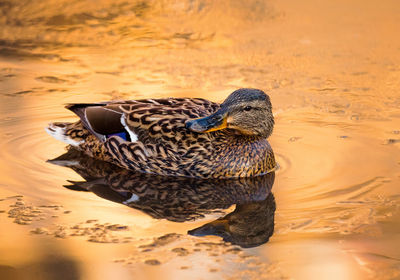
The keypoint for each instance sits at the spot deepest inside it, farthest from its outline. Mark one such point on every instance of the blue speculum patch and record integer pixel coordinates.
(123, 135)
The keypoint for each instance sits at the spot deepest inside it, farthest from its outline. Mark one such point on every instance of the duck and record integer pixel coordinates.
(181, 199)
(182, 137)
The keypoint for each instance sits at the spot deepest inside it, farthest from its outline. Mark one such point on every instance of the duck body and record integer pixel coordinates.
(186, 137)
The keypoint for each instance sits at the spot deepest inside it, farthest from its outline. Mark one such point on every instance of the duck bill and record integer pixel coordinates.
(216, 121)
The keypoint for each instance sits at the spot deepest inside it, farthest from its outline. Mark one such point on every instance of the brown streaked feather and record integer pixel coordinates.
(173, 198)
(164, 145)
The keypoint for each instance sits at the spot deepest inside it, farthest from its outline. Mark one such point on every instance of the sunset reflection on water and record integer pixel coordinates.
(332, 71)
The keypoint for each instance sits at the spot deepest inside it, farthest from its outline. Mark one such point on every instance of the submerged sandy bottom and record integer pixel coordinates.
(332, 71)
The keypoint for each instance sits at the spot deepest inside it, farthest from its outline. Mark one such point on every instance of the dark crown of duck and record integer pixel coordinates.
(247, 111)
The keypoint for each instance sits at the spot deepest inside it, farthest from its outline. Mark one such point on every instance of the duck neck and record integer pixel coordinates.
(235, 134)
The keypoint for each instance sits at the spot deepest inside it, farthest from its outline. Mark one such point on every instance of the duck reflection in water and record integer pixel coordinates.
(181, 199)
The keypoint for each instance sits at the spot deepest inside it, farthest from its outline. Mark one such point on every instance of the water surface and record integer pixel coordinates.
(333, 73)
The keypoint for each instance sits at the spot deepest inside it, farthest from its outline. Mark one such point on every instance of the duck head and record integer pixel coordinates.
(247, 111)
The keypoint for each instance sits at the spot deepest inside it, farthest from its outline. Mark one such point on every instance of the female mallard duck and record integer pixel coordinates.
(188, 137)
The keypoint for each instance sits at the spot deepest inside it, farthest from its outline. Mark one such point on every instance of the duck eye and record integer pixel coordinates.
(248, 108)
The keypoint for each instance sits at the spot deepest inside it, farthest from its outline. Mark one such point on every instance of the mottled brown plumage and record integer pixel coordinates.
(180, 199)
(250, 224)
(187, 137)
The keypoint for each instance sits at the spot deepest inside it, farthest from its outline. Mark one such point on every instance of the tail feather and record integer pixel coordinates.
(59, 131)
(100, 119)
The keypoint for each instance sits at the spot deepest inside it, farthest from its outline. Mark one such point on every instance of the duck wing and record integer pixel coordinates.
(145, 120)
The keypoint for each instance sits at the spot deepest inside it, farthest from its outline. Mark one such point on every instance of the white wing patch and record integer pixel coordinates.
(59, 133)
(132, 134)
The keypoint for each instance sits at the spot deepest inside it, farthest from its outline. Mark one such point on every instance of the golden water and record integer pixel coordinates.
(332, 69)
